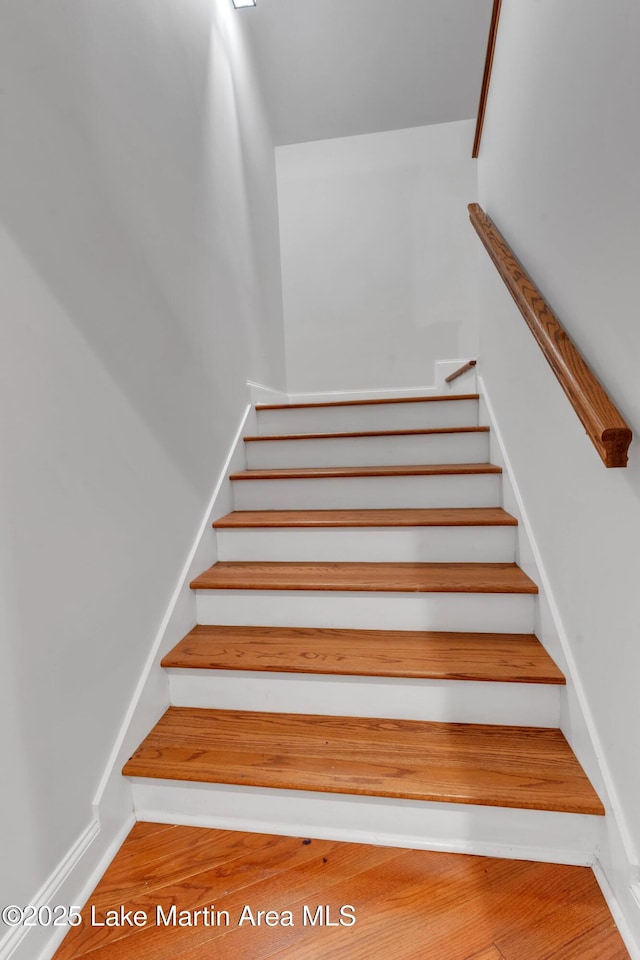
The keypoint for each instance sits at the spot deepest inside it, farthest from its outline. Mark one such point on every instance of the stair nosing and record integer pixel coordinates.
(522, 585)
(179, 659)
(405, 766)
(360, 434)
(396, 470)
(370, 401)
(365, 519)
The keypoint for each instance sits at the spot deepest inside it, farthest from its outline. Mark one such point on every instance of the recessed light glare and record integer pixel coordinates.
(243, 3)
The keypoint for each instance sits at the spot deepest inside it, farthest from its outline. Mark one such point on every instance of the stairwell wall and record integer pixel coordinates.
(558, 174)
(140, 290)
(378, 266)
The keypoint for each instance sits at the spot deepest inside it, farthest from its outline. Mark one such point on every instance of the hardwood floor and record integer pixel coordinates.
(507, 657)
(407, 904)
(384, 577)
(523, 767)
(435, 517)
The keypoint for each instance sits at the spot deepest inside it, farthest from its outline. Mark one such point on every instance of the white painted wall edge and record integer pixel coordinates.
(464, 384)
(151, 698)
(613, 850)
(619, 914)
(259, 393)
(70, 884)
(79, 871)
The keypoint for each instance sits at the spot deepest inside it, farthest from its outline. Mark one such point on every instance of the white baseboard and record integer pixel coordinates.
(259, 393)
(622, 915)
(617, 862)
(463, 384)
(77, 874)
(151, 698)
(70, 884)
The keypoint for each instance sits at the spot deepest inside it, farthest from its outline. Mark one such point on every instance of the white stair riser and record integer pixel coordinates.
(374, 493)
(456, 827)
(362, 544)
(481, 612)
(447, 701)
(369, 451)
(378, 416)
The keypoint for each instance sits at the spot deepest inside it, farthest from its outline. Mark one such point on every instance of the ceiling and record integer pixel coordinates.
(334, 68)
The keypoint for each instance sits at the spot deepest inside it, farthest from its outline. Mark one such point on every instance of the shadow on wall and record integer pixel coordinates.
(122, 185)
(140, 290)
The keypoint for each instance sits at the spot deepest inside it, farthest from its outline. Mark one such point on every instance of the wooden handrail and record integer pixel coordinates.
(486, 78)
(604, 424)
(463, 369)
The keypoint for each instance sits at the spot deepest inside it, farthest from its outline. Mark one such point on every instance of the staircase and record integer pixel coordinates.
(364, 664)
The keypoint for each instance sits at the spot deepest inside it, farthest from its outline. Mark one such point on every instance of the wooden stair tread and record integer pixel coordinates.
(393, 470)
(525, 767)
(513, 658)
(362, 403)
(429, 517)
(384, 577)
(360, 434)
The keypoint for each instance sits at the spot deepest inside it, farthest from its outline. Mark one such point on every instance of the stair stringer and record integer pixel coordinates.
(615, 859)
(113, 809)
(114, 797)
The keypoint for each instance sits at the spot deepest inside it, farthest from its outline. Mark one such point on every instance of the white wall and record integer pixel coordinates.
(378, 265)
(559, 176)
(139, 290)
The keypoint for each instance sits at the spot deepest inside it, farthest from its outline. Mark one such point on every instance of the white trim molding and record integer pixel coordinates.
(69, 884)
(442, 369)
(617, 864)
(259, 393)
(622, 914)
(151, 697)
(511, 833)
(79, 871)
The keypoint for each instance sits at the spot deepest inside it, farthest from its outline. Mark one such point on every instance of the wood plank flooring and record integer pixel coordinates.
(524, 767)
(408, 904)
(383, 577)
(514, 658)
(425, 517)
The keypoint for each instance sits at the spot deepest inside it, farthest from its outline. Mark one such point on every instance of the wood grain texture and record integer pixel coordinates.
(525, 767)
(486, 77)
(364, 403)
(379, 577)
(410, 904)
(605, 426)
(394, 470)
(513, 658)
(490, 953)
(360, 434)
(427, 517)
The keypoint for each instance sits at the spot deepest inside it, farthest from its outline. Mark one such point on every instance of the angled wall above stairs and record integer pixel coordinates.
(139, 291)
(558, 174)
